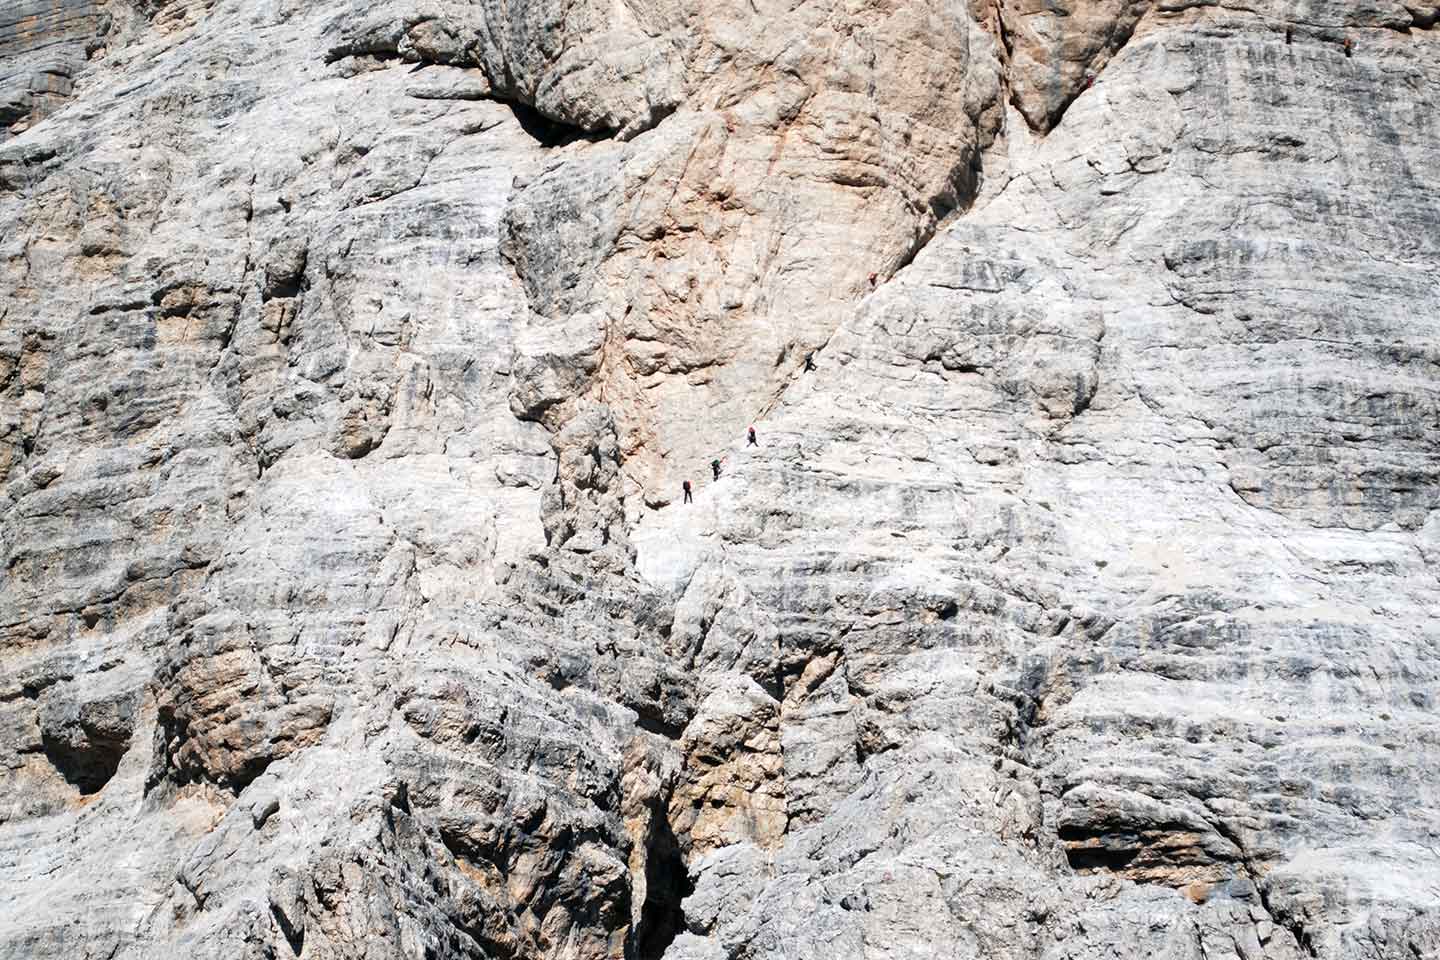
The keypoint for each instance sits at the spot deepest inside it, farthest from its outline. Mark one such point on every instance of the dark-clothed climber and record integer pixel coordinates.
(809, 362)
(715, 467)
(686, 487)
(752, 442)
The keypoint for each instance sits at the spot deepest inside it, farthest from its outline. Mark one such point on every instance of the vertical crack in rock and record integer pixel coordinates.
(658, 867)
(667, 884)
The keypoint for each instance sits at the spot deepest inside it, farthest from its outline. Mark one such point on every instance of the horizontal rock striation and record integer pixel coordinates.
(43, 45)
(1076, 598)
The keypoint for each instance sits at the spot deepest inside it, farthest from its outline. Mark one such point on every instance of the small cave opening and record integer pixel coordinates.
(280, 289)
(1099, 858)
(667, 884)
(1087, 849)
(89, 763)
(548, 132)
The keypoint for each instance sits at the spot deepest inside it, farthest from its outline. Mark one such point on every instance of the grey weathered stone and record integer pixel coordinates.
(43, 44)
(1079, 603)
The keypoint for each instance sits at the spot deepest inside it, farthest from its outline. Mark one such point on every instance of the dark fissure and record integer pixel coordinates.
(667, 884)
(548, 132)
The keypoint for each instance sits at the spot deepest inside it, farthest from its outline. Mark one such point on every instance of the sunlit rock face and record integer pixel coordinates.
(1076, 598)
(44, 44)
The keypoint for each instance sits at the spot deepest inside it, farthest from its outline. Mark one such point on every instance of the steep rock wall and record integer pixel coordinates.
(1080, 601)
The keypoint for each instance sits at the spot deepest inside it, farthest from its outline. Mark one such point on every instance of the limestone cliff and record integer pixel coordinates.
(1080, 602)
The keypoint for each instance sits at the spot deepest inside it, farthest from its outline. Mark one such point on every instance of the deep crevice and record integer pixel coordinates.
(381, 52)
(294, 933)
(658, 725)
(667, 884)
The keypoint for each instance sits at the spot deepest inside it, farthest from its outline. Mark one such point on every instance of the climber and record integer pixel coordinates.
(715, 467)
(809, 362)
(872, 281)
(1089, 79)
(686, 487)
(752, 442)
(1349, 47)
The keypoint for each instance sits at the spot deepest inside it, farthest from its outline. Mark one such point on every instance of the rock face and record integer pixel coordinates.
(43, 43)
(1080, 602)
